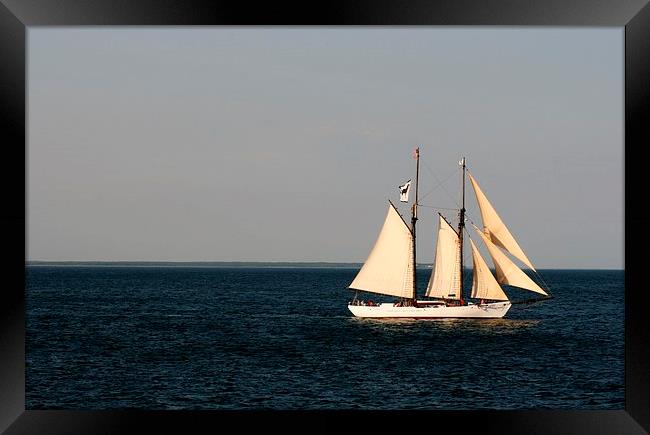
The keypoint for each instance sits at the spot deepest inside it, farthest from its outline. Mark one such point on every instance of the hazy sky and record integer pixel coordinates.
(284, 144)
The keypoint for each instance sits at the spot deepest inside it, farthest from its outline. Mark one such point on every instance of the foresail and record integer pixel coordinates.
(484, 286)
(445, 277)
(507, 272)
(389, 267)
(497, 230)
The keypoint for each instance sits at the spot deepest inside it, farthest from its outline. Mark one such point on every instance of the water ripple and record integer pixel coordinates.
(246, 338)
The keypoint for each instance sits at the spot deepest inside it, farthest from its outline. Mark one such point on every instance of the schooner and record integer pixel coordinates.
(391, 265)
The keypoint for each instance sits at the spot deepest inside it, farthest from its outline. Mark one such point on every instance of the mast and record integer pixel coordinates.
(461, 225)
(414, 218)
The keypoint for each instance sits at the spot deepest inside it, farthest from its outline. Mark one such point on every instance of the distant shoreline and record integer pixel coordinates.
(194, 264)
(264, 264)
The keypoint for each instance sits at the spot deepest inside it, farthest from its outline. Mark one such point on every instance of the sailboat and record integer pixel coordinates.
(391, 266)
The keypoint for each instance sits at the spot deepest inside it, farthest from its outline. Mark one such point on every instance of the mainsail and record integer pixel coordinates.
(445, 278)
(506, 270)
(389, 267)
(484, 285)
(496, 229)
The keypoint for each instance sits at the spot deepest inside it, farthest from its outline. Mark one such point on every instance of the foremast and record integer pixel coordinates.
(414, 218)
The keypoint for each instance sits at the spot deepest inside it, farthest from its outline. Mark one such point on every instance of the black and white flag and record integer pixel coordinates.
(404, 191)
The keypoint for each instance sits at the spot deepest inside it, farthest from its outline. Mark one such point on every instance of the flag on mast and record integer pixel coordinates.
(404, 191)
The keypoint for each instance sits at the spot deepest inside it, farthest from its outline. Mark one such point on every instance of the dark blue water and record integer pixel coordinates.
(282, 338)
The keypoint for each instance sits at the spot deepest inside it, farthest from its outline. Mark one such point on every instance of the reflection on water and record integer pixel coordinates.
(476, 326)
(494, 326)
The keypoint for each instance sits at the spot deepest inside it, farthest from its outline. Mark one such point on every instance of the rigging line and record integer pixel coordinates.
(467, 215)
(436, 188)
(470, 220)
(546, 286)
(440, 183)
(437, 208)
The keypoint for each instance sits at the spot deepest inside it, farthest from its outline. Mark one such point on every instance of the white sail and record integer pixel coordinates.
(445, 277)
(507, 272)
(497, 230)
(389, 267)
(484, 285)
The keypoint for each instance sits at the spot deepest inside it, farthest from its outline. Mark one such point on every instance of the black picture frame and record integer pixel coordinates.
(17, 15)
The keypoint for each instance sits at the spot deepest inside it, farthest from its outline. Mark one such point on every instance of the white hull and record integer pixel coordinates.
(495, 310)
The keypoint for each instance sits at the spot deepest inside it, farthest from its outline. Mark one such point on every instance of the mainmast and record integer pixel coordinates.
(414, 218)
(461, 225)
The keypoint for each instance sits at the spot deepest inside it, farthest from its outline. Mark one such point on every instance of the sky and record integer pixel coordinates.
(285, 144)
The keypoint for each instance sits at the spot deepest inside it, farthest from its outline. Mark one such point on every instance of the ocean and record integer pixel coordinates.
(191, 337)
